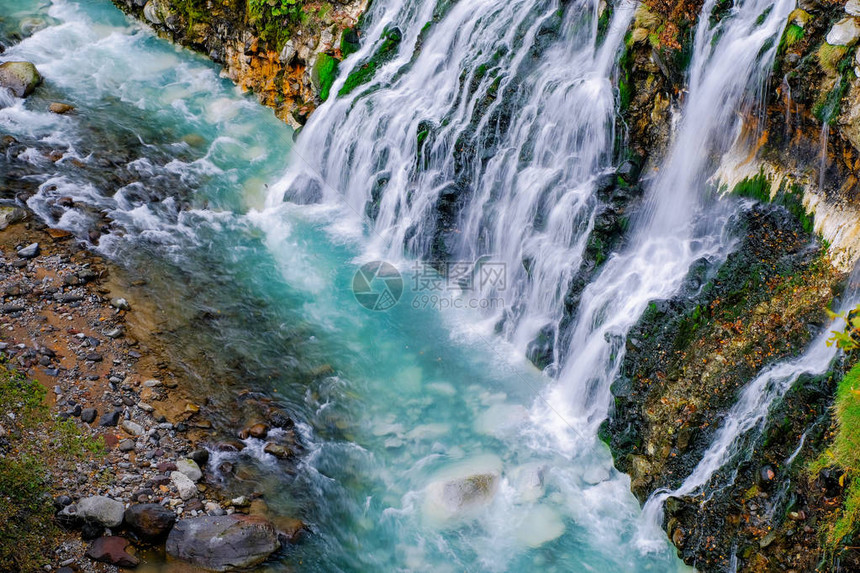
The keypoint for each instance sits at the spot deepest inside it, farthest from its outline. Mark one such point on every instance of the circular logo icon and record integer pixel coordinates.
(377, 285)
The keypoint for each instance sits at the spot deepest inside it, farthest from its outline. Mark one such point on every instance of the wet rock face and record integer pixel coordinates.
(223, 543)
(687, 359)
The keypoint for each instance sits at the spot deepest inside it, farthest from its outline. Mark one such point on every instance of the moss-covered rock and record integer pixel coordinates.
(21, 78)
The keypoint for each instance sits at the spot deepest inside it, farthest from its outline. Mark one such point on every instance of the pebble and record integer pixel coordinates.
(132, 428)
(29, 252)
(88, 415)
(120, 304)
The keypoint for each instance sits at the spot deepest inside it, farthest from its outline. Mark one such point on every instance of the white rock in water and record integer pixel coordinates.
(844, 33)
(853, 7)
(540, 526)
(463, 489)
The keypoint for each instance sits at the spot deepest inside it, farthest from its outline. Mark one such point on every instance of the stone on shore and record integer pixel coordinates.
(20, 77)
(150, 521)
(223, 543)
(184, 485)
(112, 550)
(101, 510)
(88, 415)
(29, 252)
(190, 469)
(132, 428)
(11, 215)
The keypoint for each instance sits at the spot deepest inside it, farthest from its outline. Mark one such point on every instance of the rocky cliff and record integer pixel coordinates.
(688, 358)
(285, 51)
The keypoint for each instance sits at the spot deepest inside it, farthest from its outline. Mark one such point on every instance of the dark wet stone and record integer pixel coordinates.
(150, 521)
(110, 419)
(223, 543)
(200, 456)
(88, 415)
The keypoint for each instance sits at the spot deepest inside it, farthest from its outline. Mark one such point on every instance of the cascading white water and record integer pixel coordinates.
(518, 105)
(730, 60)
(517, 136)
(747, 416)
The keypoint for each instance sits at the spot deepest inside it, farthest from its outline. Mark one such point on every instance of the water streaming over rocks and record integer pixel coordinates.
(463, 131)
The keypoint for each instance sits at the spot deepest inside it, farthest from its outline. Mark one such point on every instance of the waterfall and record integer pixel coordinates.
(517, 110)
(747, 417)
(730, 61)
(485, 137)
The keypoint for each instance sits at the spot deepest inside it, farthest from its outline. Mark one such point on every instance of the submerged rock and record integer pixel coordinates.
(223, 543)
(456, 497)
(20, 77)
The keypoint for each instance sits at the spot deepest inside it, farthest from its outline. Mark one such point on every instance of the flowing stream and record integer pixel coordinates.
(481, 140)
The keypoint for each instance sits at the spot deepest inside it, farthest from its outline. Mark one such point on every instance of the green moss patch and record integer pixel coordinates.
(33, 442)
(325, 72)
(364, 73)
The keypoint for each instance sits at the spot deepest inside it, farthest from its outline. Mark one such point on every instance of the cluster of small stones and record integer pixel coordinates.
(58, 325)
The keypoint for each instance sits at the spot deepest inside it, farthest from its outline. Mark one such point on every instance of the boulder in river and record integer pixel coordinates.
(61, 108)
(223, 543)
(464, 489)
(20, 77)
